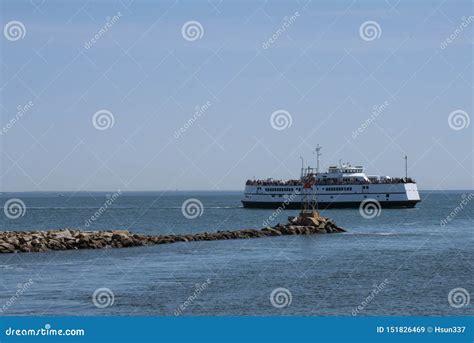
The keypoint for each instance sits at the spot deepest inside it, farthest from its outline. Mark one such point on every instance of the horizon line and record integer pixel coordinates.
(186, 190)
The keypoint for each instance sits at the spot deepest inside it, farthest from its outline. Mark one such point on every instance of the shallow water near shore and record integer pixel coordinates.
(417, 260)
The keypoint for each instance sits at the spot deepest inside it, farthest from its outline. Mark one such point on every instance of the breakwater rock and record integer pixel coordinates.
(68, 239)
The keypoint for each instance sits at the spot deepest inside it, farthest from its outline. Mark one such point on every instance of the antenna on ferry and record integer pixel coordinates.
(318, 154)
(406, 167)
(302, 166)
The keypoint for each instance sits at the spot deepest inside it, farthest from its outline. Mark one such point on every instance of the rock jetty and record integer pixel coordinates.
(69, 239)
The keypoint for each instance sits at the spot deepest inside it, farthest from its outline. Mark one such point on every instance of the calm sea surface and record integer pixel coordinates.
(325, 274)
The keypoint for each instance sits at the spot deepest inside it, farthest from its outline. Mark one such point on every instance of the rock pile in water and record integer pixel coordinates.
(67, 239)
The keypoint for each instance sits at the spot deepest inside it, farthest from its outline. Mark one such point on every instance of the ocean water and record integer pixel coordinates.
(402, 262)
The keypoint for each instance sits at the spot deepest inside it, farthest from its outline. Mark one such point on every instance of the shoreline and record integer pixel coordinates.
(73, 239)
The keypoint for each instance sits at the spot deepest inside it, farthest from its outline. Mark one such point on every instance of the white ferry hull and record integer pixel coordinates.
(400, 195)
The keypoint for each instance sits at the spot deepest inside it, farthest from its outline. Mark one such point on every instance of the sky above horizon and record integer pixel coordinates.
(167, 95)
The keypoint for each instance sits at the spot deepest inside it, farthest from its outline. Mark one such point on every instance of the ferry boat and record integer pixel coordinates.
(341, 186)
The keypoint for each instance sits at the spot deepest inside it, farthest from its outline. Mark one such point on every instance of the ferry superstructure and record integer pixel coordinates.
(341, 186)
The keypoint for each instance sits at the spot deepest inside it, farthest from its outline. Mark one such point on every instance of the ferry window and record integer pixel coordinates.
(387, 195)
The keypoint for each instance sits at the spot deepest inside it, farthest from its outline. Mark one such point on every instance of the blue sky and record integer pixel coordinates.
(319, 69)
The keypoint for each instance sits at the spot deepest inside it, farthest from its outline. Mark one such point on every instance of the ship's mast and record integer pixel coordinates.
(318, 154)
(302, 166)
(406, 167)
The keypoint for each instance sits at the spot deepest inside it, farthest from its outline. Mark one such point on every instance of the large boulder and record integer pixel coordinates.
(7, 247)
(269, 231)
(310, 221)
